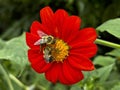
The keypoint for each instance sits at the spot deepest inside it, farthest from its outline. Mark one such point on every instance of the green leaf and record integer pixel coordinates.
(59, 86)
(113, 80)
(116, 87)
(115, 52)
(76, 87)
(2, 43)
(103, 73)
(97, 78)
(112, 26)
(104, 60)
(15, 50)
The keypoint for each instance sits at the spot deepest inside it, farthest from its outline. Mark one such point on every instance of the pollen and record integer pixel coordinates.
(59, 50)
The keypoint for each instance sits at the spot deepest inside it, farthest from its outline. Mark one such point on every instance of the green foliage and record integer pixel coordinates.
(16, 17)
(75, 87)
(5, 78)
(111, 26)
(104, 60)
(15, 50)
(96, 79)
(115, 52)
(116, 87)
(103, 72)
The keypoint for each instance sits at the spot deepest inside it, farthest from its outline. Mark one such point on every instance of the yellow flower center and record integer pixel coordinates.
(59, 50)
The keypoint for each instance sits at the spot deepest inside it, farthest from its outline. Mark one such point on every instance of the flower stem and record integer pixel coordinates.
(6, 77)
(107, 43)
(17, 81)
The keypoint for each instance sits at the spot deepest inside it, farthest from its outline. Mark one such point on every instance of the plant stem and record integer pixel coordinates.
(107, 43)
(17, 81)
(6, 77)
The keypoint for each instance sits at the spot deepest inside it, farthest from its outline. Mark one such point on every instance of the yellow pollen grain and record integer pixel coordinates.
(60, 50)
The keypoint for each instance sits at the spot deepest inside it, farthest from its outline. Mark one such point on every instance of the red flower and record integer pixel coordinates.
(58, 48)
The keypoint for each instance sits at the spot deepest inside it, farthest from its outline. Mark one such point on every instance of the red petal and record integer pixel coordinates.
(84, 35)
(70, 28)
(47, 18)
(60, 16)
(41, 67)
(80, 45)
(34, 56)
(37, 61)
(88, 34)
(37, 26)
(53, 73)
(62, 78)
(64, 75)
(71, 74)
(80, 62)
(86, 48)
(56, 73)
(31, 39)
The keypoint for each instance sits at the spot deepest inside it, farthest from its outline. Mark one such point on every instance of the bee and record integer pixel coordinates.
(45, 40)
(47, 54)
(48, 58)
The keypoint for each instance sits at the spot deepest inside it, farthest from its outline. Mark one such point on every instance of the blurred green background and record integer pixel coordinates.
(16, 17)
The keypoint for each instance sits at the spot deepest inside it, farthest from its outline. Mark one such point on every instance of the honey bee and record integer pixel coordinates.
(46, 40)
(47, 54)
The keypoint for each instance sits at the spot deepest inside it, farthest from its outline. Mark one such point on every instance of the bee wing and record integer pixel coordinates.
(37, 42)
(41, 33)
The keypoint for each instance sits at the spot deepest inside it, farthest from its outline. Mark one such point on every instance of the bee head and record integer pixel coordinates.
(50, 39)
